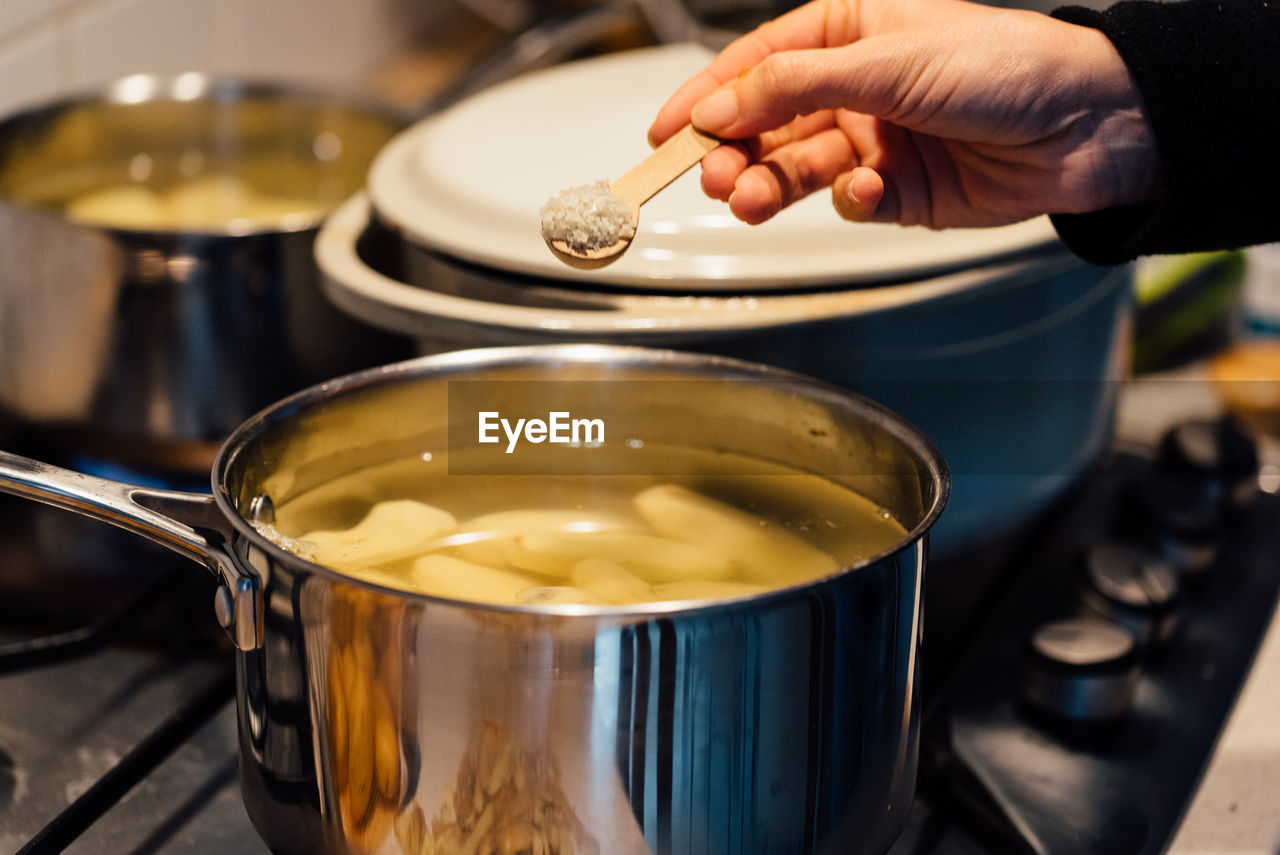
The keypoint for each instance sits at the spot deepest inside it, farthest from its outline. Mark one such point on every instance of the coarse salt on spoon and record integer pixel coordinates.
(665, 164)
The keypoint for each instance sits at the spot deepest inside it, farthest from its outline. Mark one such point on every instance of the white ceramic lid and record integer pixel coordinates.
(469, 181)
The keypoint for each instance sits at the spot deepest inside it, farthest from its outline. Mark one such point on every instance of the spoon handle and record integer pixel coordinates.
(667, 163)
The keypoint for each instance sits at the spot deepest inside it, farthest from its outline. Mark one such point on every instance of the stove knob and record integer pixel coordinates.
(1130, 586)
(1080, 670)
(1169, 515)
(1218, 459)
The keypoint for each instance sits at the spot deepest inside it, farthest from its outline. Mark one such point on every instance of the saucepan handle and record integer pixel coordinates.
(188, 523)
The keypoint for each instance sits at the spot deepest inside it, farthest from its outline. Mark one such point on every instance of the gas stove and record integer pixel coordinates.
(1072, 709)
(117, 718)
(1082, 714)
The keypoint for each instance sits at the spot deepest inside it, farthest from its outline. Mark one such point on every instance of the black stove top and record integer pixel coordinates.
(117, 716)
(117, 720)
(1107, 759)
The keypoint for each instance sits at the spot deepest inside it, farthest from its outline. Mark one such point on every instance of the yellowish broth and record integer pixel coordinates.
(209, 202)
(722, 526)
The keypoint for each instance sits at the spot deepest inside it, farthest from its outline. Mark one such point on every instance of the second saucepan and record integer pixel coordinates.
(158, 286)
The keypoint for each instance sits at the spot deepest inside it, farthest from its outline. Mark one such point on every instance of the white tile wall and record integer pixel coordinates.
(28, 69)
(49, 47)
(113, 39)
(16, 15)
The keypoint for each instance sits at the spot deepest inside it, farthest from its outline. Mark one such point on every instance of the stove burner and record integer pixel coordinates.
(186, 459)
(72, 643)
(165, 479)
(108, 790)
(103, 677)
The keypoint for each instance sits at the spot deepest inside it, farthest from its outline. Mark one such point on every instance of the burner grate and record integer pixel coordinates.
(82, 640)
(117, 721)
(108, 790)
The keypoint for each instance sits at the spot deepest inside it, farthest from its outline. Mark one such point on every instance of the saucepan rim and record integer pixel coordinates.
(691, 364)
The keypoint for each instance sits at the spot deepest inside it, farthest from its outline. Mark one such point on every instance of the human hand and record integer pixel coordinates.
(922, 112)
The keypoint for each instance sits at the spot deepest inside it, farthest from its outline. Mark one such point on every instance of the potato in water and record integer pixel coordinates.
(737, 527)
(208, 202)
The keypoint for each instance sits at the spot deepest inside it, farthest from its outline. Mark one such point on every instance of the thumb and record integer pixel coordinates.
(862, 196)
(865, 77)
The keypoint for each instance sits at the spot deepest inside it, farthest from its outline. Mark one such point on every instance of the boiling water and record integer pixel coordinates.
(722, 526)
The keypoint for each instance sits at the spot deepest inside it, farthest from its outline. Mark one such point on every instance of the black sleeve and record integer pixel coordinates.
(1209, 71)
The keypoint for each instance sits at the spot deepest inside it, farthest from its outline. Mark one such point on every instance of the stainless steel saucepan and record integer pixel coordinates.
(157, 285)
(370, 718)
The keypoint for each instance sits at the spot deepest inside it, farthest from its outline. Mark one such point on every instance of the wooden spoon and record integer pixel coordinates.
(665, 164)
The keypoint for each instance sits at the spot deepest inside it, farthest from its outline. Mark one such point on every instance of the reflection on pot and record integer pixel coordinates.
(508, 799)
(363, 696)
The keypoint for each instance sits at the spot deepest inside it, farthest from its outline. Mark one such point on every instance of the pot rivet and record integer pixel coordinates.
(262, 509)
(224, 607)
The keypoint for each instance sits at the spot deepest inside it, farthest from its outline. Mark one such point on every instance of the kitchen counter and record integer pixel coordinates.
(1236, 811)
(1237, 808)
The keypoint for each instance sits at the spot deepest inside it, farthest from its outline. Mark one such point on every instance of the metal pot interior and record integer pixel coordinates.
(430, 405)
(145, 137)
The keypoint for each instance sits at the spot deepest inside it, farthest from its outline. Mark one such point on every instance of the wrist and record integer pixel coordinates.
(1124, 128)
(1114, 156)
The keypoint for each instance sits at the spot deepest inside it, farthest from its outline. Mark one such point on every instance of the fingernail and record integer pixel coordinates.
(715, 112)
(854, 196)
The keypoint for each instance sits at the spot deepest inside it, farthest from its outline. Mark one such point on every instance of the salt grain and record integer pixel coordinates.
(587, 217)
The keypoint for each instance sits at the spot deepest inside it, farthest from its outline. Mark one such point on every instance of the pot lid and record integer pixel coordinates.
(468, 182)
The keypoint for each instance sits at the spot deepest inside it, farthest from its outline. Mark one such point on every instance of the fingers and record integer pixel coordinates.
(800, 157)
(814, 25)
(874, 77)
(859, 196)
(876, 170)
(721, 168)
(789, 173)
(808, 113)
(674, 115)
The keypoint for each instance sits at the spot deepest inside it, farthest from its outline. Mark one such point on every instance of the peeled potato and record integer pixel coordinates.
(492, 538)
(610, 581)
(377, 576)
(211, 201)
(208, 201)
(445, 576)
(479, 548)
(705, 590)
(261, 206)
(125, 207)
(679, 545)
(558, 594)
(766, 552)
(391, 530)
(537, 521)
(655, 559)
